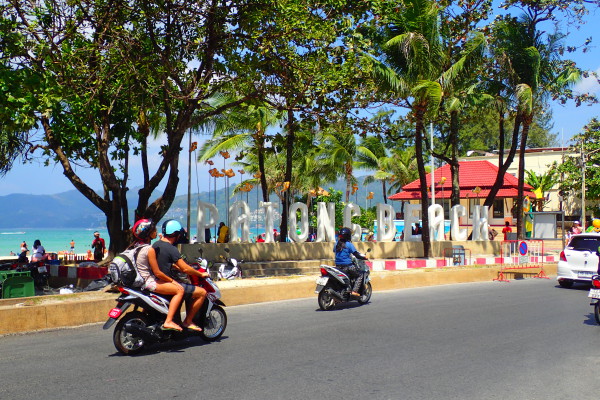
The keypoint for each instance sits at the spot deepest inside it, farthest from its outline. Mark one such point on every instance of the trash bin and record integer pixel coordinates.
(16, 284)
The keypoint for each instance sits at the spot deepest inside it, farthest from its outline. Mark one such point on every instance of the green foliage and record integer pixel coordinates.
(571, 169)
(544, 181)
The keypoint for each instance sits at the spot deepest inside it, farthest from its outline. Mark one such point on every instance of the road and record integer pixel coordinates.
(526, 339)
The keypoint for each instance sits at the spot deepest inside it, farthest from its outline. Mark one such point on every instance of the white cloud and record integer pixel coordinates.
(588, 85)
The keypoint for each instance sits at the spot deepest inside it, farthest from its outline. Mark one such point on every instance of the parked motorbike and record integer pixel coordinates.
(39, 272)
(141, 327)
(334, 286)
(228, 267)
(202, 263)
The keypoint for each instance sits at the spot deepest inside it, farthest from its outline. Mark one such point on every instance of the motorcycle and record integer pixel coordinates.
(334, 286)
(229, 268)
(594, 293)
(202, 264)
(39, 272)
(141, 327)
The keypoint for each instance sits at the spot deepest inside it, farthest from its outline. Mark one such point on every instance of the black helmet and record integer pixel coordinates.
(345, 234)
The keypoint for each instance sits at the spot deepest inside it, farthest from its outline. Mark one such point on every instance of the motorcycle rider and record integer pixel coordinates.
(144, 231)
(343, 249)
(163, 255)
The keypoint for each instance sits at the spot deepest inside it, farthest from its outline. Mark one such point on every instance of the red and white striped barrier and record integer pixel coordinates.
(75, 272)
(404, 264)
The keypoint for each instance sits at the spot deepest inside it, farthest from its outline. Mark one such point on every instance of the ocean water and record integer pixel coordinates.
(55, 240)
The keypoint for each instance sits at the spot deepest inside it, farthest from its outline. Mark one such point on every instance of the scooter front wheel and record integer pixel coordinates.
(214, 324)
(127, 342)
(326, 300)
(366, 294)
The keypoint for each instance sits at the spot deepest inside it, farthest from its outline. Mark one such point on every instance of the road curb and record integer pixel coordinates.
(52, 312)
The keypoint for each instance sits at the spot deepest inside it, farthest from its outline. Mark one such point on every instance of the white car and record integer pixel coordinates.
(579, 260)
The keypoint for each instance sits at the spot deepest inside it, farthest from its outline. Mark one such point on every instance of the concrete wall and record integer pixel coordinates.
(255, 252)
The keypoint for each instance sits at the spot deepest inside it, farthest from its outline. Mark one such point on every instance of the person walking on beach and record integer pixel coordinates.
(72, 246)
(99, 246)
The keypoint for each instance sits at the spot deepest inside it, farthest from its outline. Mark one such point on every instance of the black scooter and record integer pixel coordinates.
(334, 286)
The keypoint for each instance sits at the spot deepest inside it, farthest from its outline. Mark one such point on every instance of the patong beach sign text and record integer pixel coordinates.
(239, 219)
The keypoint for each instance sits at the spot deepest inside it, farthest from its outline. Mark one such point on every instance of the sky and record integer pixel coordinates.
(36, 178)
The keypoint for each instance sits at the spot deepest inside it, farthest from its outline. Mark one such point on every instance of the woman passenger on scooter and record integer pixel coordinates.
(163, 255)
(343, 261)
(144, 232)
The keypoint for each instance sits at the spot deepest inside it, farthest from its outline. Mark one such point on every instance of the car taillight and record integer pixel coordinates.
(596, 283)
(324, 272)
(123, 290)
(562, 256)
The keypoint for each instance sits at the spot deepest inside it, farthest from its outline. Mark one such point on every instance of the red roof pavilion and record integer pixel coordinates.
(471, 174)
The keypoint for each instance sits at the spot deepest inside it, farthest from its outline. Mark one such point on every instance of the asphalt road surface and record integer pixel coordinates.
(526, 339)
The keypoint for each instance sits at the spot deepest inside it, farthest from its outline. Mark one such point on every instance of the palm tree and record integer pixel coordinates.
(542, 182)
(415, 68)
(339, 151)
(373, 159)
(244, 130)
(534, 70)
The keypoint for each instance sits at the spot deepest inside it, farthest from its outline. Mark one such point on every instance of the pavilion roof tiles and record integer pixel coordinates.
(471, 174)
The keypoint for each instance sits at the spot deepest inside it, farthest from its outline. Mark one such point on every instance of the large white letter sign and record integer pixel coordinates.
(268, 206)
(456, 233)
(409, 219)
(436, 222)
(352, 210)
(325, 222)
(480, 223)
(238, 216)
(293, 225)
(385, 223)
(208, 215)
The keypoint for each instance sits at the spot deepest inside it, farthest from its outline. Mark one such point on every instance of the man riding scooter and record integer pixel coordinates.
(343, 261)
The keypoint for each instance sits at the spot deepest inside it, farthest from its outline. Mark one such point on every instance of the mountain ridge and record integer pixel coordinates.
(71, 209)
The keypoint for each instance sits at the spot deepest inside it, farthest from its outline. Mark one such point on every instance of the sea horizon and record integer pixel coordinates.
(57, 240)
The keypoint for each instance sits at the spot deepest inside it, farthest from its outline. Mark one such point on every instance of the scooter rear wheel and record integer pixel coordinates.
(214, 324)
(126, 342)
(326, 300)
(597, 312)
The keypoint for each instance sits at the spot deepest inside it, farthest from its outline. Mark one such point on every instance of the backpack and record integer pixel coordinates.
(123, 270)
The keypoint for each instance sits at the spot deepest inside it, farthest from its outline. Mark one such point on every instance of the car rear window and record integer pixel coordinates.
(584, 243)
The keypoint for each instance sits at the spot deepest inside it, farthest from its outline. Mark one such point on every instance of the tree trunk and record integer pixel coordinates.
(384, 188)
(261, 167)
(526, 123)
(454, 164)
(288, 173)
(420, 112)
(502, 168)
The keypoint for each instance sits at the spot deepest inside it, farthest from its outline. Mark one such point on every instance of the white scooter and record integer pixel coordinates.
(228, 267)
(141, 327)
